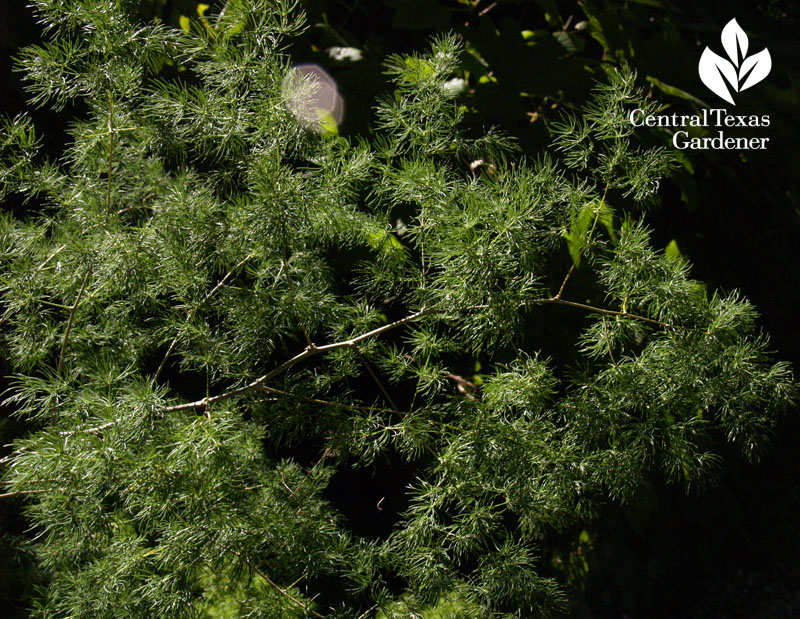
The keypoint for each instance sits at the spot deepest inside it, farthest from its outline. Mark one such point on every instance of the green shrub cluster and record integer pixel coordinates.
(212, 311)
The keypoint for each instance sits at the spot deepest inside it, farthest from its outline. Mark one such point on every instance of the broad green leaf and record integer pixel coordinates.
(387, 243)
(572, 43)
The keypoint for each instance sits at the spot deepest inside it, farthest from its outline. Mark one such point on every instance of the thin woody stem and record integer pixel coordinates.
(312, 351)
(47, 260)
(466, 387)
(367, 612)
(608, 343)
(422, 246)
(23, 492)
(379, 383)
(255, 568)
(110, 152)
(294, 290)
(372, 409)
(71, 319)
(191, 313)
(597, 310)
(89, 430)
(55, 252)
(585, 245)
(308, 351)
(325, 454)
(271, 583)
(607, 312)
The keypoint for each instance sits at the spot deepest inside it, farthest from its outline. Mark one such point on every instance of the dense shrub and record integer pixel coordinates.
(216, 315)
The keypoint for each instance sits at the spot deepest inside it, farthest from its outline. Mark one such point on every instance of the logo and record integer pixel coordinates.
(741, 72)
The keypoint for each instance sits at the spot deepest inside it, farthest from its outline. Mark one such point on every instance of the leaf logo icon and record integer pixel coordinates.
(740, 72)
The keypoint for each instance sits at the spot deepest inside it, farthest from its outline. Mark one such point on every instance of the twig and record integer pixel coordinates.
(372, 409)
(135, 206)
(102, 133)
(291, 492)
(52, 480)
(71, 319)
(284, 263)
(49, 258)
(7, 314)
(110, 151)
(483, 12)
(607, 312)
(325, 454)
(87, 430)
(308, 351)
(368, 611)
(422, 245)
(596, 310)
(19, 492)
(464, 386)
(191, 313)
(608, 343)
(378, 382)
(585, 245)
(313, 350)
(269, 581)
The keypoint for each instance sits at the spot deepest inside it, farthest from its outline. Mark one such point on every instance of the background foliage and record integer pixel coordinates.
(735, 218)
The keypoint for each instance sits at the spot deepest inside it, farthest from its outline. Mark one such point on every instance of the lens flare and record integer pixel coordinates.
(311, 95)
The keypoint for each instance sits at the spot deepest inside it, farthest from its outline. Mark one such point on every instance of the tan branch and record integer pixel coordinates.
(110, 152)
(71, 319)
(308, 351)
(607, 312)
(271, 583)
(585, 245)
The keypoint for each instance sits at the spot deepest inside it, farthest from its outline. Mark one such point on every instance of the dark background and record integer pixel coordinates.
(730, 552)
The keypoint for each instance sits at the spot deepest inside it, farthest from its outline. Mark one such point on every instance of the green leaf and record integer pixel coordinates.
(578, 233)
(551, 13)
(675, 92)
(387, 243)
(672, 250)
(571, 42)
(327, 125)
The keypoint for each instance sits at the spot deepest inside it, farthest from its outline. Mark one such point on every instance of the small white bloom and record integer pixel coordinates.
(342, 54)
(454, 87)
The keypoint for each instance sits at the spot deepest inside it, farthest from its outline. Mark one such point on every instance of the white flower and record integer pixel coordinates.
(342, 54)
(454, 87)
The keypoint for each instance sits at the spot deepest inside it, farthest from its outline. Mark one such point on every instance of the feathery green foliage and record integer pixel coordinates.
(213, 311)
